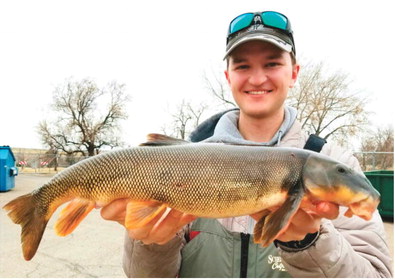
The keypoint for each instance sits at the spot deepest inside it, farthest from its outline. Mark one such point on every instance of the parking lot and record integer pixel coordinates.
(94, 249)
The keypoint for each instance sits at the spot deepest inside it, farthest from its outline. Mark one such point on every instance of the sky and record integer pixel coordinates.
(161, 49)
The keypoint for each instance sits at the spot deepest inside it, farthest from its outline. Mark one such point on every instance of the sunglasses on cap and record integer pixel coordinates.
(269, 19)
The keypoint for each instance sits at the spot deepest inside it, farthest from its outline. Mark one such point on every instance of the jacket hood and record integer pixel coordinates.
(222, 127)
(206, 129)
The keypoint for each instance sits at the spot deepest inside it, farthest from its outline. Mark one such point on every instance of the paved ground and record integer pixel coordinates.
(94, 249)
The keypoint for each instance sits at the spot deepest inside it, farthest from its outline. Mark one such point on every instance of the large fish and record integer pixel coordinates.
(204, 179)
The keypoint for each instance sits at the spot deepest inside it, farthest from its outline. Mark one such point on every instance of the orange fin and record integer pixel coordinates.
(25, 212)
(349, 213)
(140, 213)
(72, 215)
(269, 227)
(259, 227)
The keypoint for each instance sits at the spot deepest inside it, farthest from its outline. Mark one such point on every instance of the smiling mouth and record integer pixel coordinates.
(263, 92)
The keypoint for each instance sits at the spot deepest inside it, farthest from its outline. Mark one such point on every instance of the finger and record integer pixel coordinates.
(293, 233)
(144, 233)
(303, 222)
(299, 227)
(185, 219)
(167, 228)
(115, 211)
(303, 219)
(257, 216)
(327, 210)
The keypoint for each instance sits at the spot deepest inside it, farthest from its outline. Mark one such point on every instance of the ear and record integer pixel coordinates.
(295, 73)
(227, 76)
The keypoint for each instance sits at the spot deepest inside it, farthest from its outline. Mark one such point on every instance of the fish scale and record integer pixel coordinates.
(140, 173)
(204, 179)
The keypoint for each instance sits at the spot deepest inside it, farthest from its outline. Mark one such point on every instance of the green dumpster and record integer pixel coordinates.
(383, 181)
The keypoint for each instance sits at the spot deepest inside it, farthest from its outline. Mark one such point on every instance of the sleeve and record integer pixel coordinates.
(345, 248)
(140, 260)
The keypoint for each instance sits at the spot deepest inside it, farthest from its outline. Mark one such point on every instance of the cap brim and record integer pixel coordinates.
(261, 37)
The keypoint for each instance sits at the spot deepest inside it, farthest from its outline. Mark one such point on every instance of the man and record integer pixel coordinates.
(261, 67)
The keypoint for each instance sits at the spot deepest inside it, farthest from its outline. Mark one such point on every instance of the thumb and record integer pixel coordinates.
(327, 210)
(115, 211)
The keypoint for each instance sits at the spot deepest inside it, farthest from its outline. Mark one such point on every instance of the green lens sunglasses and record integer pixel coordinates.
(268, 19)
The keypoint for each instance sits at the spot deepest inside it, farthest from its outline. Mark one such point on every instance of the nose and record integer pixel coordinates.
(257, 77)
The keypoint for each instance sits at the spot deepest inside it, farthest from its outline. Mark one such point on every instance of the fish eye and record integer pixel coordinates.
(341, 170)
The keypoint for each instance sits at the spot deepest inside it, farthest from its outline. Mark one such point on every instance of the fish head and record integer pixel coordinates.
(328, 180)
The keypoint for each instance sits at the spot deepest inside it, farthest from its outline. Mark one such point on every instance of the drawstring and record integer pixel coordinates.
(279, 137)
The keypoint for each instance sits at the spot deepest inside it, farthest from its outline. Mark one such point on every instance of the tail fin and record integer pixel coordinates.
(23, 211)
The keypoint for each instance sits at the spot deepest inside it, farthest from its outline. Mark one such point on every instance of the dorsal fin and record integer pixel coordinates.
(160, 140)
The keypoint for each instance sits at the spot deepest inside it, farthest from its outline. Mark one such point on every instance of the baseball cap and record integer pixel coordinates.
(269, 26)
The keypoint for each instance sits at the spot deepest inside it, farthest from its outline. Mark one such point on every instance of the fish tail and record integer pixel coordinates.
(23, 211)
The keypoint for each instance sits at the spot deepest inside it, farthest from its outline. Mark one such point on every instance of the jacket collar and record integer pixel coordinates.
(222, 127)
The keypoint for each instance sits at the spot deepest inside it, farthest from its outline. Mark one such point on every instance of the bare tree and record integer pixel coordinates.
(325, 105)
(185, 119)
(82, 125)
(51, 157)
(377, 149)
(218, 87)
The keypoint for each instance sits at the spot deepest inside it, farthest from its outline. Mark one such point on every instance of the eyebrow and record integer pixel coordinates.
(275, 56)
(237, 60)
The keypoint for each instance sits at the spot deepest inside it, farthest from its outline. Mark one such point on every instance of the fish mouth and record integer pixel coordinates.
(361, 204)
(364, 208)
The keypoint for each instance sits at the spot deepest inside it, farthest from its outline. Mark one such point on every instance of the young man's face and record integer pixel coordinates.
(260, 75)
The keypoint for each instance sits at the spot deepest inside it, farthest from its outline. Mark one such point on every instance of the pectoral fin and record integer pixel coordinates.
(270, 226)
(141, 213)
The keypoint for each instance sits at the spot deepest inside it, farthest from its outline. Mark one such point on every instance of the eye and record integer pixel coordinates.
(341, 170)
(241, 67)
(272, 64)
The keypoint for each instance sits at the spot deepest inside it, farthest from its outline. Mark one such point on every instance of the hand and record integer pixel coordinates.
(307, 219)
(160, 230)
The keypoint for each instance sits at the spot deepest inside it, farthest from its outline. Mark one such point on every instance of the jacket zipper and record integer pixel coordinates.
(245, 240)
